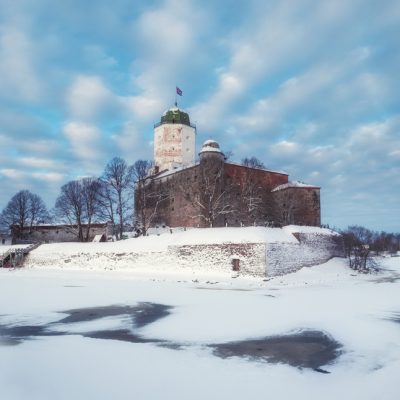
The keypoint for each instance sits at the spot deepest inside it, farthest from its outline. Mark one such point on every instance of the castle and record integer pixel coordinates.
(184, 192)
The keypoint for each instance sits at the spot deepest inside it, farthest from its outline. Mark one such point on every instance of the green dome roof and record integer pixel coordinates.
(175, 116)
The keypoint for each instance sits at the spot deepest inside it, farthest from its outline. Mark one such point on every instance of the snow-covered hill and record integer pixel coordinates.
(261, 251)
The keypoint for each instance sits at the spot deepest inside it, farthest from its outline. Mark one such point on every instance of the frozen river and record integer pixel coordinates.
(323, 332)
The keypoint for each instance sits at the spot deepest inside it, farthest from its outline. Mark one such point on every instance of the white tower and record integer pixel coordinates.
(174, 140)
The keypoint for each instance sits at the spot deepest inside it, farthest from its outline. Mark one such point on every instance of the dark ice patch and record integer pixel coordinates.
(306, 349)
(124, 335)
(395, 317)
(141, 315)
(390, 277)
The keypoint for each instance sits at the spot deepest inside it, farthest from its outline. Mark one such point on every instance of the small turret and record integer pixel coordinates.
(211, 149)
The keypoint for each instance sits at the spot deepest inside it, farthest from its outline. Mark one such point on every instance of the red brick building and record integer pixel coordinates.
(215, 192)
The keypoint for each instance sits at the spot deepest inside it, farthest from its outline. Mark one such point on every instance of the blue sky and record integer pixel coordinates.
(309, 87)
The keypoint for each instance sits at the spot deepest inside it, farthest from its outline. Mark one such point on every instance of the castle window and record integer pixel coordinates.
(172, 209)
(187, 137)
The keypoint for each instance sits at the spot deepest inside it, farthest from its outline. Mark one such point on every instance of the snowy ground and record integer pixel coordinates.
(5, 248)
(141, 351)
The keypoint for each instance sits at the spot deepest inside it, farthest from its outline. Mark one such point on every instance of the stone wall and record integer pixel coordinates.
(299, 205)
(311, 249)
(187, 187)
(219, 257)
(255, 259)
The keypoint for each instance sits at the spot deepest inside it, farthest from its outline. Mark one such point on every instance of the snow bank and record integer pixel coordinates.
(261, 251)
(5, 248)
(233, 235)
(309, 229)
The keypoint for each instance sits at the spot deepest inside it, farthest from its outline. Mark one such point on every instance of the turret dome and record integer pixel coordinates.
(175, 115)
(210, 145)
(210, 148)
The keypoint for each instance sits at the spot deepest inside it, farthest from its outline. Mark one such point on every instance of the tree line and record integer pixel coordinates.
(82, 202)
(361, 244)
(86, 201)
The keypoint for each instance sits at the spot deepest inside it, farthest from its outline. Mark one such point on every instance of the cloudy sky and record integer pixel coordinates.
(308, 86)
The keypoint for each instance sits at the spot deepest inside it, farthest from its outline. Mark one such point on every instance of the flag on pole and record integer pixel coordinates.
(179, 91)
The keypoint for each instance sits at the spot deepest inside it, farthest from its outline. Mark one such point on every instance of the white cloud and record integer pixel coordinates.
(49, 177)
(19, 78)
(130, 143)
(88, 98)
(395, 153)
(84, 139)
(12, 173)
(40, 147)
(96, 56)
(285, 149)
(170, 40)
(36, 162)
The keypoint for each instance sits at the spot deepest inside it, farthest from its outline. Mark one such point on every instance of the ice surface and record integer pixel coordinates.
(354, 310)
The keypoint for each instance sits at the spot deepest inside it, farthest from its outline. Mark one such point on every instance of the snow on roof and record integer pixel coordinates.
(209, 141)
(174, 110)
(209, 148)
(294, 184)
(168, 172)
(261, 169)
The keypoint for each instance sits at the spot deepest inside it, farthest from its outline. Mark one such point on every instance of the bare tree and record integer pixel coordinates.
(228, 155)
(357, 242)
(212, 197)
(24, 209)
(253, 162)
(287, 199)
(252, 200)
(70, 206)
(118, 176)
(108, 206)
(78, 205)
(37, 211)
(148, 195)
(91, 188)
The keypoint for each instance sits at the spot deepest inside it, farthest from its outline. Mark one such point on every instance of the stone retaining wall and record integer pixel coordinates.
(255, 259)
(219, 257)
(311, 249)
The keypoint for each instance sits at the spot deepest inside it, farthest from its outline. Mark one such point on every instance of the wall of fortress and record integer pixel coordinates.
(311, 249)
(255, 259)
